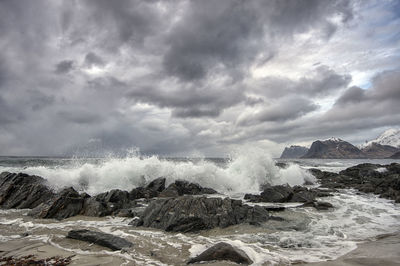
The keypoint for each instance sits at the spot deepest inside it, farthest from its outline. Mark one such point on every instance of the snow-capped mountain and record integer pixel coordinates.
(390, 137)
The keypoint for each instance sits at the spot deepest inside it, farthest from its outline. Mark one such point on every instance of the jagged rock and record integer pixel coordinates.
(223, 251)
(369, 178)
(101, 239)
(23, 191)
(188, 213)
(157, 184)
(182, 187)
(282, 194)
(141, 192)
(65, 204)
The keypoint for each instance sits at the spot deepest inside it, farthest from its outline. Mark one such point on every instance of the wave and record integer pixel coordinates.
(245, 172)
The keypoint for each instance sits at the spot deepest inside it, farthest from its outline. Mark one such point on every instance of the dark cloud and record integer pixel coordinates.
(64, 67)
(176, 76)
(280, 111)
(190, 101)
(321, 82)
(92, 59)
(230, 34)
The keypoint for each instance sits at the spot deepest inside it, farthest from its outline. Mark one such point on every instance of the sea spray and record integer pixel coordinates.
(243, 173)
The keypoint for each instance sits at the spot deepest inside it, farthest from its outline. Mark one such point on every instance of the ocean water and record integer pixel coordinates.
(306, 235)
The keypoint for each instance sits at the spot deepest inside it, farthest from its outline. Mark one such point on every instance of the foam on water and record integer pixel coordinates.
(245, 172)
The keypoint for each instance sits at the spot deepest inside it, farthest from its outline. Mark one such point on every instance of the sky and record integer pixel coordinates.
(195, 78)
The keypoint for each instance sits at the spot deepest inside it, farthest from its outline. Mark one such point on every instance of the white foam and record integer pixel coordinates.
(248, 169)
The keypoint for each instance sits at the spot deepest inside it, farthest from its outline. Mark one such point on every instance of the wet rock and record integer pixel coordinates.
(141, 192)
(188, 214)
(222, 251)
(23, 191)
(286, 194)
(64, 204)
(319, 205)
(101, 239)
(383, 180)
(157, 184)
(107, 203)
(182, 187)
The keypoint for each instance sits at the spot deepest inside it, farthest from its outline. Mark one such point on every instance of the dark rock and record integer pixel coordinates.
(182, 187)
(275, 208)
(157, 184)
(23, 191)
(141, 192)
(281, 164)
(188, 214)
(383, 180)
(101, 239)
(319, 205)
(222, 251)
(65, 204)
(286, 194)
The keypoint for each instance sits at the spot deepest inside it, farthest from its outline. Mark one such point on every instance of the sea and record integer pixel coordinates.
(303, 235)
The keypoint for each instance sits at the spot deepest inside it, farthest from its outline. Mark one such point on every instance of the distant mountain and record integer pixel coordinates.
(333, 148)
(294, 151)
(390, 137)
(395, 156)
(378, 151)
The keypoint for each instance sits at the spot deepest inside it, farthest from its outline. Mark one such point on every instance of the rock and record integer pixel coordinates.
(319, 205)
(65, 204)
(383, 180)
(22, 191)
(141, 192)
(286, 194)
(188, 214)
(223, 251)
(182, 187)
(157, 184)
(101, 239)
(107, 203)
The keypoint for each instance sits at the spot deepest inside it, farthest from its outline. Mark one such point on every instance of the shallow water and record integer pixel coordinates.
(305, 235)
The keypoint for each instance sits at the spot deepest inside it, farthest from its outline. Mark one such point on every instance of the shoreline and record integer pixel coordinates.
(383, 250)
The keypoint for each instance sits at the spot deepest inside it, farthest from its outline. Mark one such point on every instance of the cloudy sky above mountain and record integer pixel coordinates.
(195, 77)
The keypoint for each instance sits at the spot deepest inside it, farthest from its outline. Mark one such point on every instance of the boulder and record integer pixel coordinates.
(64, 204)
(222, 251)
(22, 191)
(182, 187)
(283, 194)
(157, 184)
(102, 239)
(189, 214)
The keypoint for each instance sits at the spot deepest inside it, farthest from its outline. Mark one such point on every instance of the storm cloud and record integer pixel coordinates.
(193, 77)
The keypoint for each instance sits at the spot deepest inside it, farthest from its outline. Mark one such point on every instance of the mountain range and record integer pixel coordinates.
(387, 145)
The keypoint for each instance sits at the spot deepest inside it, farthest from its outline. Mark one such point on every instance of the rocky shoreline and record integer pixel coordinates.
(187, 207)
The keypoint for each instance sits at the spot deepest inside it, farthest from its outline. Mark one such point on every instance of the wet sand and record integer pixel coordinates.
(385, 250)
